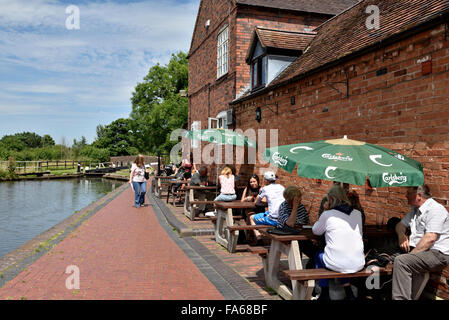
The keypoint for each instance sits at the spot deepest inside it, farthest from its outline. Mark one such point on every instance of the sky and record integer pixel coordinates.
(60, 80)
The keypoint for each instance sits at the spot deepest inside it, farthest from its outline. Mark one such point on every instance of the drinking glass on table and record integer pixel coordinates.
(379, 221)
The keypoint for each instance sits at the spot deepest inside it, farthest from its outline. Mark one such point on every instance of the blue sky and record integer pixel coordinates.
(65, 82)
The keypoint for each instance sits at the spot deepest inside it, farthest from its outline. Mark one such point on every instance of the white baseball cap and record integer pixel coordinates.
(270, 176)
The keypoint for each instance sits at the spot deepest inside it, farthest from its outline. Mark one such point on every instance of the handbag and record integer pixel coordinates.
(147, 175)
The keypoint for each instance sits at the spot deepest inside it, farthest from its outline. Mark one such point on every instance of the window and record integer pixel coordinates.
(222, 52)
(259, 72)
(213, 123)
(219, 122)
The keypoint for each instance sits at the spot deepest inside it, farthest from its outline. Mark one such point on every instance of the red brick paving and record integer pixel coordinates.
(122, 253)
(247, 265)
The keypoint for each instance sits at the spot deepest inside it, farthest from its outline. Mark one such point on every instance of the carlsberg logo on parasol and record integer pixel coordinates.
(279, 160)
(392, 179)
(336, 157)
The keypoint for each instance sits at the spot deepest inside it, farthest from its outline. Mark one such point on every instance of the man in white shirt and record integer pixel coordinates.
(274, 193)
(427, 248)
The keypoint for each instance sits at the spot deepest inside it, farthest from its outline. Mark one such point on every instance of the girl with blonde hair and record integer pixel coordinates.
(137, 181)
(227, 183)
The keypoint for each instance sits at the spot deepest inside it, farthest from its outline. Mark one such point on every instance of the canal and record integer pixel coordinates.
(28, 208)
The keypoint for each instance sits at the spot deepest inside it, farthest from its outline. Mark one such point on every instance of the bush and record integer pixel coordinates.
(12, 165)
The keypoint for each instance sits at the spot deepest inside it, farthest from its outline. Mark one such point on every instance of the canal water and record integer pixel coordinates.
(28, 208)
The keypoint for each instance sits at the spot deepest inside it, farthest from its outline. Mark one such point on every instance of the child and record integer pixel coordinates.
(227, 183)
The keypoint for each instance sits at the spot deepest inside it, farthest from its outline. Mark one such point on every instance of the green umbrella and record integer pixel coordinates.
(220, 136)
(350, 161)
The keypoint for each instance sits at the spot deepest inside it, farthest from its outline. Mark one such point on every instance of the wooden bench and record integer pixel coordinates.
(247, 227)
(214, 219)
(261, 251)
(317, 274)
(177, 197)
(193, 205)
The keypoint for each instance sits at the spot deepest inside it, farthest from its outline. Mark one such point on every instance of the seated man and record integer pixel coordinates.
(274, 195)
(293, 213)
(428, 246)
(200, 178)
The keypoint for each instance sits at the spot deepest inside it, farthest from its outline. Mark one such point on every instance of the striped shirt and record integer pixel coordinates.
(285, 211)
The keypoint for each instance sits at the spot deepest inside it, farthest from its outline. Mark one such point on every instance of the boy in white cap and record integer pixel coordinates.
(274, 194)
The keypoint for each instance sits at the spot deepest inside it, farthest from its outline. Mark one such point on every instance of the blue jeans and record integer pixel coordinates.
(226, 197)
(140, 188)
(262, 218)
(319, 264)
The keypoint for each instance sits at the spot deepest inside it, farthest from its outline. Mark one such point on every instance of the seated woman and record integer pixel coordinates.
(250, 194)
(342, 226)
(252, 189)
(352, 196)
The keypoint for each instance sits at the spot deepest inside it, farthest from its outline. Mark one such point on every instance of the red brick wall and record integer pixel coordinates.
(208, 95)
(404, 110)
(249, 18)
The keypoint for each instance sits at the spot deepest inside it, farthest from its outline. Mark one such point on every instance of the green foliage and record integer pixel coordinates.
(88, 153)
(12, 165)
(117, 137)
(157, 109)
(157, 106)
(47, 140)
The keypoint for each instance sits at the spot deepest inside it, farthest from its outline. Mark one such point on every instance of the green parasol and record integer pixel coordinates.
(350, 161)
(220, 136)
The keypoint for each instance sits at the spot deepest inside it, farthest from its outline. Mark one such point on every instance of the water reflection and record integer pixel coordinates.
(28, 208)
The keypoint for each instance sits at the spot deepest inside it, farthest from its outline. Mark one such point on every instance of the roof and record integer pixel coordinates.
(280, 39)
(330, 7)
(347, 34)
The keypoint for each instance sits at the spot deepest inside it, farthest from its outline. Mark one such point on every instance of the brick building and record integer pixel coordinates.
(223, 30)
(386, 85)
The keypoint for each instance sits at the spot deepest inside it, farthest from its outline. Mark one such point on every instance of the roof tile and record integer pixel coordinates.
(331, 7)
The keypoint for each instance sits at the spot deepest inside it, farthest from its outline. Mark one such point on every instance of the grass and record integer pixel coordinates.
(47, 244)
(124, 172)
(61, 172)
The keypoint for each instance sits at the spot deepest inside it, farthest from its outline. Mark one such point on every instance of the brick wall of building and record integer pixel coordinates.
(406, 109)
(249, 18)
(403, 109)
(208, 95)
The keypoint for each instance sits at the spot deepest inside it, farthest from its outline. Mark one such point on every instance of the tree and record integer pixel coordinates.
(117, 137)
(47, 140)
(157, 106)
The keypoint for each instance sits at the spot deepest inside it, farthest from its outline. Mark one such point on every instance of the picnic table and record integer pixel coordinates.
(226, 231)
(190, 202)
(179, 194)
(159, 182)
(303, 280)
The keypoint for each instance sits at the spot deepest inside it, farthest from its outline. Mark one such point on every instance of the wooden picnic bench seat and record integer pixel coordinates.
(261, 251)
(317, 274)
(177, 196)
(214, 219)
(201, 202)
(248, 227)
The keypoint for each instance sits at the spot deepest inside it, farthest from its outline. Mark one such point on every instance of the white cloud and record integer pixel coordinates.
(44, 64)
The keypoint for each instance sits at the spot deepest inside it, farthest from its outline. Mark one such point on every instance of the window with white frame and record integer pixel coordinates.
(219, 122)
(222, 52)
